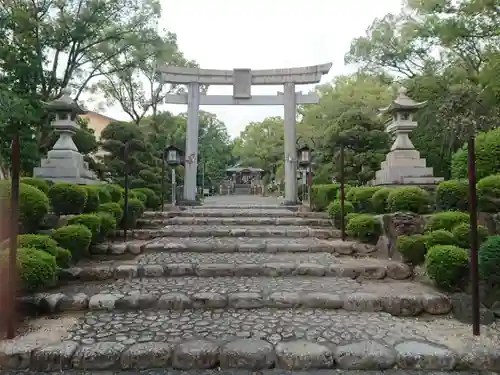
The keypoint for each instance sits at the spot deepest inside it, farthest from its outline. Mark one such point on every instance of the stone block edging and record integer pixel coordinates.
(397, 305)
(247, 221)
(391, 270)
(248, 354)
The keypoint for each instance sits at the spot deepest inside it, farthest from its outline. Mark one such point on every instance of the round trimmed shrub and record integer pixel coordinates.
(91, 221)
(63, 257)
(75, 238)
(446, 220)
(379, 200)
(134, 194)
(439, 237)
(347, 189)
(487, 156)
(37, 269)
(489, 261)
(108, 225)
(366, 228)
(116, 192)
(33, 205)
(67, 199)
(447, 265)
(361, 198)
(452, 195)
(462, 234)
(114, 209)
(39, 183)
(93, 200)
(334, 210)
(322, 195)
(37, 241)
(152, 200)
(488, 193)
(409, 199)
(412, 248)
(104, 194)
(135, 210)
(350, 216)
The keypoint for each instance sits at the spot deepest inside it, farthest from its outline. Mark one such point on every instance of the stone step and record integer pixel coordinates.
(399, 298)
(292, 221)
(152, 266)
(239, 342)
(220, 212)
(236, 245)
(245, 207)
(232, 231)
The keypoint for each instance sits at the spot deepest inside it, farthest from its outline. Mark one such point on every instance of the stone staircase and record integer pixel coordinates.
(242, 282)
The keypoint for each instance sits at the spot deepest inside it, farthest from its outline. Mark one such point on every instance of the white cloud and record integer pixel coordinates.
(266, 34)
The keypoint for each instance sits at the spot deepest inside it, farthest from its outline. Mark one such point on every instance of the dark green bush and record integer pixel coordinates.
(152, 199)
(409, 199)
(447, 265)
(347, 189)
(75, 238)
(138, 183)
(334, 210)
(39, 183)
(452, 195)
(93, 200)
(446, 220)
(91, 221)
(487, 156)
(104, 194)
(489, 261)
(63, 257)
(350, 216)
(439, 237)
(322, 195)
(366, 228)
(37, 241)
(37, 269)
(114, 209)
(361, 198)
(108, 225)
(116, 192)
(461, 232)
(412, 248)
(33, 205)
(135, 210)
(488, 193)
(137, 194)
(67, 199)
(379, 200)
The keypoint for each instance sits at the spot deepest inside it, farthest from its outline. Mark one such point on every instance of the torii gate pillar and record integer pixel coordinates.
(242, 81)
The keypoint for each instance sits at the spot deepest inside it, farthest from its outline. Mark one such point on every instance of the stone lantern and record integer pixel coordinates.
(64, 163)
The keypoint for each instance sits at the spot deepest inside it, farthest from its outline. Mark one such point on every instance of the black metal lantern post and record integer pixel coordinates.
(304, 156)
(174, 157)
(125, 155)
(342, 192)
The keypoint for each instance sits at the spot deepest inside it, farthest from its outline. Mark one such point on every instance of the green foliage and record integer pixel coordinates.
(135, 210)
(75, 238)
(361, 198)
(37, 241)
(412, 248)
(446, 220)
(67, 199)
(489, 261)
(91, 221)
(452, 195)
(152, 200)
(63, 257)
(366, 228)
(487, 156)
(108, 225)
(138, 194)
(37, 269)
(39, 183)
(409, 199)
(446, 265)
(488, 193)
(93, 200)
(462, 234)
(114, 209)
(439, 237)
(379, 200)
(116, 192)
(322, 195)
(334, 210)
(103, 193)
(33, 205)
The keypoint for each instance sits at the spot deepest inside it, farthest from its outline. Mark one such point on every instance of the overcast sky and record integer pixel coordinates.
(266, 34)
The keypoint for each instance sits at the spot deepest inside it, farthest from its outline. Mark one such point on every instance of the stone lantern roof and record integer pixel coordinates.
(403, 103)
(65, 104)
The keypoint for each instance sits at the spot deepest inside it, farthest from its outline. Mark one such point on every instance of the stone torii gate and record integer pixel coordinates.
(242, 81)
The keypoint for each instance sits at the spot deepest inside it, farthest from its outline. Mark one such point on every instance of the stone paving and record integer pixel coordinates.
(292, 221)
(251, 372)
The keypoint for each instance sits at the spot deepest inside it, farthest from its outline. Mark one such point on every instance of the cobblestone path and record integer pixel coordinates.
(247, 284)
